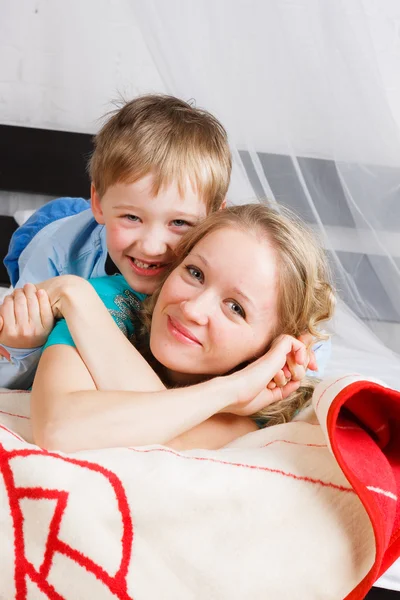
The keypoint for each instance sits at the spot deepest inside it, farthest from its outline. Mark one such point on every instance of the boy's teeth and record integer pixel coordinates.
(142, 265)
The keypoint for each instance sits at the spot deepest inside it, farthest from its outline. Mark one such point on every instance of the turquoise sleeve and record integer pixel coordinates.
(60, 335)
(121, 301)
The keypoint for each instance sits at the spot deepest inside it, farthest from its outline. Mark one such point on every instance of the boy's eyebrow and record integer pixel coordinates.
(235, 289)
(124, 206)
(176, 214)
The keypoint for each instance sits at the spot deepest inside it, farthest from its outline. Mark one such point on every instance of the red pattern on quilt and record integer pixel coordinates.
(117, 583)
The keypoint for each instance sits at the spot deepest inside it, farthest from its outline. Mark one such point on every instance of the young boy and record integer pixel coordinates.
(159, 166)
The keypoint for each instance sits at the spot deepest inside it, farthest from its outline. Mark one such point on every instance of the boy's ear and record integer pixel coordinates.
(223, 205)
(96, 205)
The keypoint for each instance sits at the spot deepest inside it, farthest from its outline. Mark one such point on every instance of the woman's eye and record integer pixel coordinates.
(236, 308)
(180, 223)
(132, 218)
(195, 273)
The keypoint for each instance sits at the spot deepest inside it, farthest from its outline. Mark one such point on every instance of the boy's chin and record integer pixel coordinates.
(141, 284)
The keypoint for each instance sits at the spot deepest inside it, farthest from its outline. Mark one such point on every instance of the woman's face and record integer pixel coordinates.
(218, 308)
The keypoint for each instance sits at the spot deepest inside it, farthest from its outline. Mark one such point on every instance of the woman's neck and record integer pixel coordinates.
(175, 379)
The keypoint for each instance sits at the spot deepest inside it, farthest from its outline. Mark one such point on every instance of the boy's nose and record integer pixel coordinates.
(153, 243)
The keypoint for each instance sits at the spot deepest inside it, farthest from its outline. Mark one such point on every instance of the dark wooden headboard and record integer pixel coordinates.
(39, 161)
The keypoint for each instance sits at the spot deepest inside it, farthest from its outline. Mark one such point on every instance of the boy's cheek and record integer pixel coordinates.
(119, 238)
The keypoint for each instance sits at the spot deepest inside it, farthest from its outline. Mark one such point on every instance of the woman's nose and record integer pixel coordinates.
(197, 309)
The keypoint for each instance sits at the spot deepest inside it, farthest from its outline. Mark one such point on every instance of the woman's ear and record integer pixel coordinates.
(95, 203)
(223, 205)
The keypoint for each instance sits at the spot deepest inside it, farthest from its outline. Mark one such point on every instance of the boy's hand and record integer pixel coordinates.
(293, 371)
(26, 318)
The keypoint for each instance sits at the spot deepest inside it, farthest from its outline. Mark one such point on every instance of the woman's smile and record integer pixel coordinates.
(181, 333)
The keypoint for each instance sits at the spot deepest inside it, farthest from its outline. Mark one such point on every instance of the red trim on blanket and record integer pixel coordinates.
(368, 456)
(332, 384)
(12, 433)
(117, 584)
(296, 444)
(3, 412)
(327, 484)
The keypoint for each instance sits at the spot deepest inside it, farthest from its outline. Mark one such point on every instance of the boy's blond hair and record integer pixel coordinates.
(168, 137)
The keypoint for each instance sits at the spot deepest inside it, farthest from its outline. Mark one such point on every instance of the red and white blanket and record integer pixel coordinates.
(304, 510)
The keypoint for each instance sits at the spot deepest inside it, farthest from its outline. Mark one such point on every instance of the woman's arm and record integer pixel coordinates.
(114, 365)
(86, 418)
(113, 362)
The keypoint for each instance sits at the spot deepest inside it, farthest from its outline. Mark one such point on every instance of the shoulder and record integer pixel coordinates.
(113, 284)
(116, 290)
(56, 217)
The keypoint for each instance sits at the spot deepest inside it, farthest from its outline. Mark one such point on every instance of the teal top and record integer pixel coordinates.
(121, 301)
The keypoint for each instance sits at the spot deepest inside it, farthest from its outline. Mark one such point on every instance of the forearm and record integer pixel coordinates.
(98, 419)
(113, 362)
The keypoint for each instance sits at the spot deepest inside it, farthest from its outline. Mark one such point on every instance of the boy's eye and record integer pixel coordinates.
(195, 272)
(180, 223)
(132, 218)
(236, 308)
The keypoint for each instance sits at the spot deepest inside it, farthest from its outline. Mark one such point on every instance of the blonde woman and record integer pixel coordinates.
(245, 284)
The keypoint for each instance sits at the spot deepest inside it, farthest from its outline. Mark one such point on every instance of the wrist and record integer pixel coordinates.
(72, 293)
(223, 392)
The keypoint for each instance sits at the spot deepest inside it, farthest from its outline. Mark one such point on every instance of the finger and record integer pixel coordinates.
(286, 370)
(7, 310)
(280, 379)
(312, 365)
(267, 397)
(296, 370)
(20, 307)
(288, 389)
(32, 304)
(271, 385)
(46, 312)
(1, 322)
(301, 355)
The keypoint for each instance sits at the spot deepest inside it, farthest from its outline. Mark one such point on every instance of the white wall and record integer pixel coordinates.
(62, 62)
(319, 78)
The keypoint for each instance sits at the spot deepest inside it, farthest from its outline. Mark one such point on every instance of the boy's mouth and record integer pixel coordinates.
(147, 269)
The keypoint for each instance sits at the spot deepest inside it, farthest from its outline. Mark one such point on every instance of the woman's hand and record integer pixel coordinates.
(250, 385)
(293, 371)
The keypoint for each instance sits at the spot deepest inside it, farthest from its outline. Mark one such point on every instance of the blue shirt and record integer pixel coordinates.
(61, 238)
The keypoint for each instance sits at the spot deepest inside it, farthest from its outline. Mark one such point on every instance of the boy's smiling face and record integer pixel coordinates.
(143, 230)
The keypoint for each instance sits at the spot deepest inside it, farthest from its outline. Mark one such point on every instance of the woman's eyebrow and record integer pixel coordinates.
(239, 292)
(236, 290)
(203, 260)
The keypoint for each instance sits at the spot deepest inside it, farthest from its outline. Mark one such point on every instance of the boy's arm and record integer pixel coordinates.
(38, 260)
(36, 228)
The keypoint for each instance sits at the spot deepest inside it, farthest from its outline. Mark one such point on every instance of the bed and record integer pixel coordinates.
(366, 356)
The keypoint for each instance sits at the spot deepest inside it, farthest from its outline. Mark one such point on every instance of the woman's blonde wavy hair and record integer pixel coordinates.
(305, 294)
